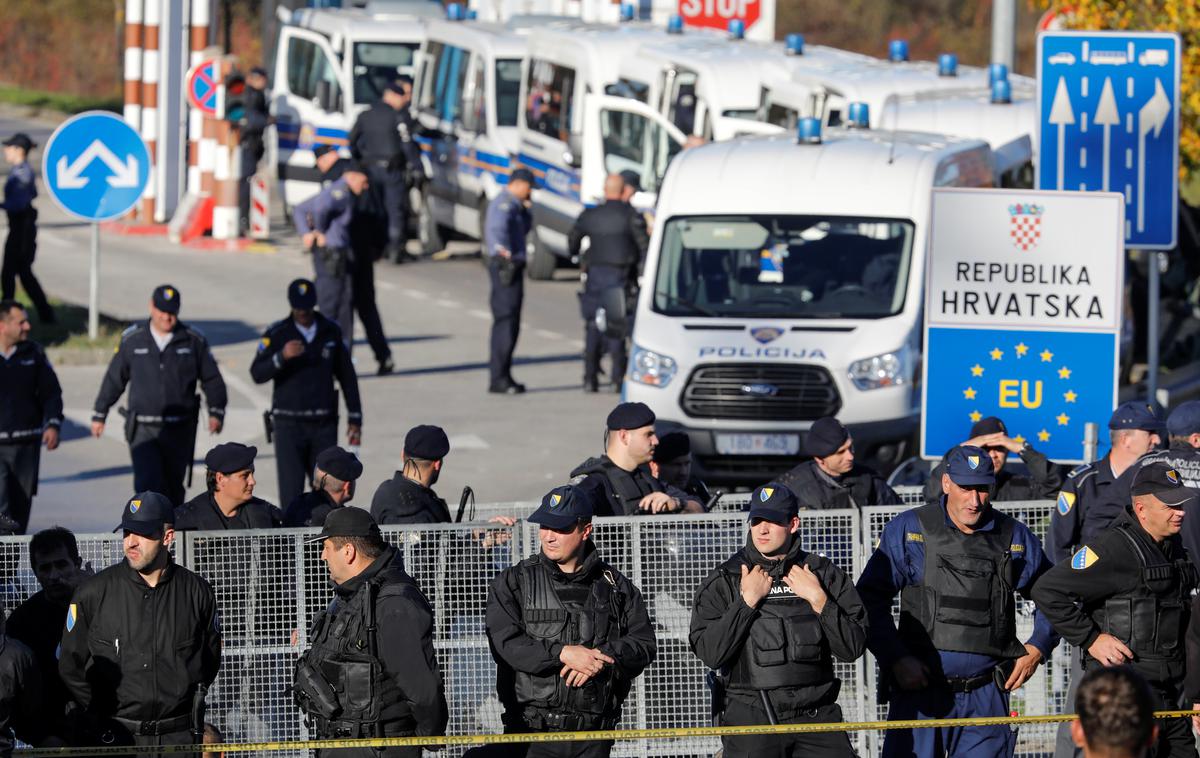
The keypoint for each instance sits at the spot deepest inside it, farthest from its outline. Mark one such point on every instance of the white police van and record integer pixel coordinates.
(466, 97)
(575, 128)
(330, 65)
(796, 297)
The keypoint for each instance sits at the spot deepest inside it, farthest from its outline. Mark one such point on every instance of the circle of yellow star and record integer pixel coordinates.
(1047, 356)
(1064, 373)
(1044, 436)
(969, 393)
(996, 353)
(975, 416)
(1063, 419)
(1019, 439)
(1022, 348)
(1070, 396)
(977, 370)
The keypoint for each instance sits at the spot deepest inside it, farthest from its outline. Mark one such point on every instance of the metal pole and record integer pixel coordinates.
(1091, 441)
(94, 286)
(1153, 274)
(1004, 32)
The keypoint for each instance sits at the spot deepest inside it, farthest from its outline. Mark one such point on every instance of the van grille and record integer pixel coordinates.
(761, 391)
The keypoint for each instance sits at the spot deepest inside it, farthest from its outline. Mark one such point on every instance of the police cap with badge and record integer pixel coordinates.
(1136, 414)
(970, 466)
(350, 521)
(1163, 482)
(302, 295)
(146, 513)
(562, 508)
(775, 503)
(166, 299)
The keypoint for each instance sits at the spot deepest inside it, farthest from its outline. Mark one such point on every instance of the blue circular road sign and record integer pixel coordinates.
(96, 166)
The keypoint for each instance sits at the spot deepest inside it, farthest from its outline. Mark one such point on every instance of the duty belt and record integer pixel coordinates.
(567, 722)
(334, 729)
(162, 419)
(155, 728)
(970, 683)
(317, 413)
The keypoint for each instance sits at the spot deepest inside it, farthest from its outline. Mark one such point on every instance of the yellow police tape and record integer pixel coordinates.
(611, 734)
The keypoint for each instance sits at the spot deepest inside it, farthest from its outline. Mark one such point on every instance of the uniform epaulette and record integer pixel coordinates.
(130, 330)
(1082, 471)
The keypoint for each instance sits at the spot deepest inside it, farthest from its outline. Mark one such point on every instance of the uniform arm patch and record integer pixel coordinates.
(1083, 558)
(1066, 500)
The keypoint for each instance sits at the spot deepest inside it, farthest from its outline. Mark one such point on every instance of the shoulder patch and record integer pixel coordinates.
(914, 537)
(264, 343)
(1083, 558)
(338, 194)
(72, 615)
(1066, 500)
(1016, 547)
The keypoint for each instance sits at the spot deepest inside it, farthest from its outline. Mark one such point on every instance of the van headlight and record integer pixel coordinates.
(649, 367)
(886, 370)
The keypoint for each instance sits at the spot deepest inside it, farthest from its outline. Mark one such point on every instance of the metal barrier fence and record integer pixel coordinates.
(270, 585)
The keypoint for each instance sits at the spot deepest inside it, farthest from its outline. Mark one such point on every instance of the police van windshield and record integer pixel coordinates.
(376, 64)
(508, 91)
(765, 266)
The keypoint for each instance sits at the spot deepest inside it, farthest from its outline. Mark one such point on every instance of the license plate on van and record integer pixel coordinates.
(758, 444)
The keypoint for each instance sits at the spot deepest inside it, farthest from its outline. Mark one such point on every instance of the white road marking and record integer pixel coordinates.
(477, 313)
(468, 442)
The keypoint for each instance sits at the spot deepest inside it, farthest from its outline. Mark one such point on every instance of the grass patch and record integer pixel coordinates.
(70, 329)
(58, 101)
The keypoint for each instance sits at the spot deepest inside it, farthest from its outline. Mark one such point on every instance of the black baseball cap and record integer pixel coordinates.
(521, 175)
(302, 295)
(1185, 419)
(21, 140)
(775, 503)
(349, 521)
(166, 298)
(1136, 414)
(988, 425)
(427, 442)
(1163, 482)
(340, 464)
(562, 508)
(969, 466)
(230, 458)
(146, 513)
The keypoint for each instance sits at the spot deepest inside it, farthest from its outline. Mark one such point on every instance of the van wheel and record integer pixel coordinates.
(429, 232)
(542, 263)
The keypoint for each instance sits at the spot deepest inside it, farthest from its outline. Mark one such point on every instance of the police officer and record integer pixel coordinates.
(408, 497)
(333, 487)
(618, 243)
(31, 412)
(671, 464)
(20, 694)
(256, 117)
(770, 584)
(1115, 708)
(20, 247)
(303, 354)
(1095, 494)
(569, 633)
(1124, 597)
(619, 482)
(228, 501)
(504, 231)
(58, 568)
(323, 223)
(955, 564)
(1183, 445)
(831, 479)
(161, 361)
(370, 669)
(368, 232)
(142, 640)
(382, 139)
(1044, 480)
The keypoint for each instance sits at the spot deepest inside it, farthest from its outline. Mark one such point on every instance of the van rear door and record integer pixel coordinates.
(625, 135)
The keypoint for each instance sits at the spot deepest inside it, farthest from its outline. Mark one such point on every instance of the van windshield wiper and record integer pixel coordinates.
(697, 309)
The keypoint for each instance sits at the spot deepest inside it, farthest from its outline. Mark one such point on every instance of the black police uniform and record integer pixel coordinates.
(310, 509)
(255, 119)
(1090, 500)
(381, 139)
(202, 513)
(780, 654)
(303, 401)
(371, 669)
(1123, 583)
(506, 227)
(21, 702)
(400, 500)
(618, 244)
(136, 658)
(30, 401)
(160, 424)
(817, 490)
(617, 492)
(534, 609)
(1186, 460)
(36, 623)
(20, 247)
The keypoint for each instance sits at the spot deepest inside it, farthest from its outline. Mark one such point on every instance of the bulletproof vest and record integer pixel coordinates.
(339, 681)
(629, 488)
(815, 493)
(612, 242)
(786, 646)
(591, 623)
(965, 601)
(1150, 618)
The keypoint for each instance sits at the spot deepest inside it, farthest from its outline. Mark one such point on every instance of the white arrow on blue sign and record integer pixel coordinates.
(96, 166)
(1110, 122)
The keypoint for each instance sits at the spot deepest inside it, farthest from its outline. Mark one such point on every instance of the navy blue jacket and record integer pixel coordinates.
(30, 395)
(19, 189)
(1090, 500)
(329, 212)
(304, 385)
(507, 225)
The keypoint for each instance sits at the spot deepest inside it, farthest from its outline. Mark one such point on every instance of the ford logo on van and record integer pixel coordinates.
(760, 390)
(765, 334)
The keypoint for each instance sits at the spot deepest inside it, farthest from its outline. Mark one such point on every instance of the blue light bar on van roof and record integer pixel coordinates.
(737, 28)
(858, 115)
(997, 72)
(675, 25)
(808, 131)
(627, 11)
(947, 64)
(795, 44)
(1001, 91)
(898, 50)
(455, 12)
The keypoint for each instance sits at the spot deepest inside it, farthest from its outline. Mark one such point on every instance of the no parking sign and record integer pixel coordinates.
(201, 87)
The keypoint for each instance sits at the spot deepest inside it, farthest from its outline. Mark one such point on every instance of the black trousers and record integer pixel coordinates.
(18, 481)
(160, 454)
(506, 301)
(832, 744)
(391, 193)
(362, 276)
(249, 156)
(297, 444)
(335, 289)
(588, 749)
(595, 345)
(20, 248)
(1175, 738)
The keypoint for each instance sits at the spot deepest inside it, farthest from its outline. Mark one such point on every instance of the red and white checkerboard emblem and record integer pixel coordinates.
(1025, 225)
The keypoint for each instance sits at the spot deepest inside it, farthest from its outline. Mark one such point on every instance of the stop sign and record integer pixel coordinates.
(717, 14)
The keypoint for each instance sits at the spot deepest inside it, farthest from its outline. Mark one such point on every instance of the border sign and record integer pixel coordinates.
(1023, 311)
(202, 82)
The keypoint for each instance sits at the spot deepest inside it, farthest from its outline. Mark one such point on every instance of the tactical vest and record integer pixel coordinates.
(339, 681)
(817, 494)
(627, 488)
(965, 602)
(1151, 618)
(786, 646)
(591, 624)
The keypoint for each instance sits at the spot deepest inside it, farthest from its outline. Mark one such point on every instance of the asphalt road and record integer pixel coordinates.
(435, 313)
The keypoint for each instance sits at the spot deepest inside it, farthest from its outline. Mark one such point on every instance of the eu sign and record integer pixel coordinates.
(95, 166)
(1017, 324)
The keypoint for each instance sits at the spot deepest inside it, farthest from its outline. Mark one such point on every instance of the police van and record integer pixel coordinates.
(576, 126)
(466, 97)
(330, 65)
(796, 297)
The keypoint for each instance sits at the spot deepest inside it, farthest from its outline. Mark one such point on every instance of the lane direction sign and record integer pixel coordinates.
(96, 166)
